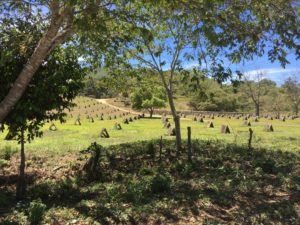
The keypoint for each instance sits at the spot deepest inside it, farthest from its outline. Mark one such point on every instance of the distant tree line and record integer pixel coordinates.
(249, 96)
(254, 95)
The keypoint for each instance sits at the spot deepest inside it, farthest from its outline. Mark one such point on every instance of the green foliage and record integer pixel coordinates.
(7, 152)
(137, 191)
(3, 163)
(42, 190)
(154, 102)
(4, 199)
(148, 98)
(57, 82)
(150, 149)
(292, 90)
(113, 193)
(101, 84)
(160, 184)
(267, 165)
(36, 212)
(211, 96)
(141, 188)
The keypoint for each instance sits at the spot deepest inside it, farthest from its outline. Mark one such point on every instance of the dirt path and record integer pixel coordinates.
(104, 101)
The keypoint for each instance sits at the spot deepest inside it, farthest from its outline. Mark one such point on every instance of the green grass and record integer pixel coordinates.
(224, 184)
(72, 138)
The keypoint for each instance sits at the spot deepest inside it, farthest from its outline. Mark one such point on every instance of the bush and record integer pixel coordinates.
(150, 149)
(3, 163)
(136, 191)
(7, 152)
(36, 212)
(4, 200)
(267, 165)
(113, 193)
(146, 171)
(160, 184)
(111, 156)
(42, 190)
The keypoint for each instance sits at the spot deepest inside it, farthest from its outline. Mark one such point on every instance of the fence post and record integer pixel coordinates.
(189, 131)
(250, 139)
(160, 148)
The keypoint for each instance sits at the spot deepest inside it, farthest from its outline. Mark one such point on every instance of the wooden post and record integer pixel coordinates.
(21, 185)
(189, 131)
(250, 139)
(160, 148)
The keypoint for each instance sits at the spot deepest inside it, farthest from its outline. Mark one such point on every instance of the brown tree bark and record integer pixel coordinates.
(60, 28)
(175, 116)
(151, 112)
(21, 185)
(176, 119)
(257, 109)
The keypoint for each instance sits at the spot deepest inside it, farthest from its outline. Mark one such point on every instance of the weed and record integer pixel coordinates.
(36, 212)
(160, 184)
(150, 149)
(3, 163)
(7, 152)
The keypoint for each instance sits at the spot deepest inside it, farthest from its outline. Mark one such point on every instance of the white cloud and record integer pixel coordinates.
(273, 71)
(279, 75)
(81, 59)
(191, 65)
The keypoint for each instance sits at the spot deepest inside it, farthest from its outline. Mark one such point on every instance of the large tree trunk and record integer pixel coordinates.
(21, 186)
(52, 38)
(151, 112)
(257, 108)
(176, 119)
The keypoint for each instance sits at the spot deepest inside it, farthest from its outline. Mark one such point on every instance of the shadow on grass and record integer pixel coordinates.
(224, 183)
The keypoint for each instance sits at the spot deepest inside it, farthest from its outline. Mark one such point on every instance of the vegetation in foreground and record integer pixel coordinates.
(135, 184)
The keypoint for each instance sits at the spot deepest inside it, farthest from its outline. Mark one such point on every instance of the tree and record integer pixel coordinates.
(203, 31)
(292, 89)
(275, 101)
(93, 26)
(211, 96)
(153, 103)
(162, 48)
(149, 99)
(58, 81)
(255, 88)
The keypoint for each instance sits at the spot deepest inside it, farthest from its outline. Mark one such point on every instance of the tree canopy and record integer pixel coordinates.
(149, 99)
(57, 81)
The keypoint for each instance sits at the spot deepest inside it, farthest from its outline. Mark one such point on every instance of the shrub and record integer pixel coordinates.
(36, 212)
(160, 184)
(7, 152)
(136, 191)
(113, 193)
(150, 149)
(3, 163)
(4, 200)
(111, 156)
(146, 171)
(42, 190)
(267, 165)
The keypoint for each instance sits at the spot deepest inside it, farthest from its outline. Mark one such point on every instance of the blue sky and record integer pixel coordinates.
(272, 71)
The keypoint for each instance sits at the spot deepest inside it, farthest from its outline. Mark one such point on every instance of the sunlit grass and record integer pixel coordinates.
(72, 138)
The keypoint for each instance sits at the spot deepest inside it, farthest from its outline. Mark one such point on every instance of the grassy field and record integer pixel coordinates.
(72, 138)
